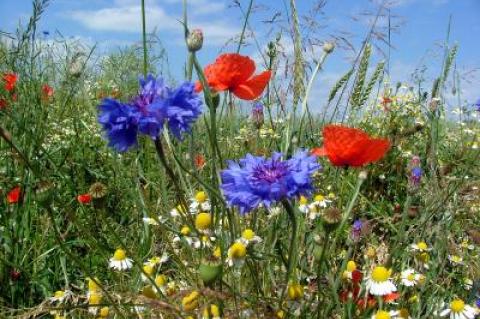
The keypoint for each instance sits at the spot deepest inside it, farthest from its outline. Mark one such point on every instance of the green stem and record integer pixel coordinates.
(293, 221)
(242, 35)
(144, 37)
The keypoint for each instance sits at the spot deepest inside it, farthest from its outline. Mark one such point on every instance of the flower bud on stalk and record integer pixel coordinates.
(257, 115)
(195, 40)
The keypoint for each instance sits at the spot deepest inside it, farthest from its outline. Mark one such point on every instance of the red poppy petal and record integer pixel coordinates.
(319, 151)
(13, 196)
(254, 87)
(232, 69)
(373, 150)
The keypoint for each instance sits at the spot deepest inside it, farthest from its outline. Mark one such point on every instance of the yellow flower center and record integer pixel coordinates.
(161, 280)
(215, 311)
(351, 266)
(201, 197)
(456, 259)
(319, 198)
(119, 255)
(303, 200)
(104, 312)
(248, 234)
(203, 221)
(237, 250)
(59, 294)
(148, 269)
(411, 277)
(422, 245)
(380, 274)
(154, 260)
(217, 253)
(280, 314)
(185, 231)
(94, 299)
(382, 315)
(424, 257)
(371, 253)
(457, 305)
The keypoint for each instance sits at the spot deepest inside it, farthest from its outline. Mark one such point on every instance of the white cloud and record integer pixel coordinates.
(126, 17)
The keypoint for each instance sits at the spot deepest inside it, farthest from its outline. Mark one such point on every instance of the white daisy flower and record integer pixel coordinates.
(61, 296)
(236, 254)
(459, 310)
(455, 260)
(421, 246)
(200, 203)
(379, 282)
(249, 237)
(303, 205)
(410, 278)
(158, 261)
(119, 261)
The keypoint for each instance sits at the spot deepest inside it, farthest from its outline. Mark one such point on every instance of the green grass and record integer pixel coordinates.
(53, 148)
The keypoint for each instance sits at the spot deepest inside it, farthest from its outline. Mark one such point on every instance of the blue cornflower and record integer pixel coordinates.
(416, 175)
(120, 122)
(155, 105)
(477, 105)
(258, 180)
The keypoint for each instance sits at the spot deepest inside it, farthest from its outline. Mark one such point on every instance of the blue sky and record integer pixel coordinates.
(116, 23)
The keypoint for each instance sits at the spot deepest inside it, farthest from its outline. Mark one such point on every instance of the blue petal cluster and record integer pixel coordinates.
(155, 105)
(258, 180)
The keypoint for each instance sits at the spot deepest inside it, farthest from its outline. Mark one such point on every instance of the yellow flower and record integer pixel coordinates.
(217, 252)
(237, 251)
(190, 302)
(303, 200)
(119, 254)
(94, 299)
(104, 312)
(295, 291)
(92, 284)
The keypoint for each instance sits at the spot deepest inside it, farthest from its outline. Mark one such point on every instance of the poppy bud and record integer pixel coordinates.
(195, 40)
(15, 274)
(84, 198)
(209, 272)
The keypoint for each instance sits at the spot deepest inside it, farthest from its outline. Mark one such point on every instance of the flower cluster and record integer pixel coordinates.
(155, 106)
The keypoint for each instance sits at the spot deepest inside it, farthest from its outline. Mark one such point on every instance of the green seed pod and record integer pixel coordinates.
(209, 272)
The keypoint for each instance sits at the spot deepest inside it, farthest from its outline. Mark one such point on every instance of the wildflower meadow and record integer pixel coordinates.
(233, 189)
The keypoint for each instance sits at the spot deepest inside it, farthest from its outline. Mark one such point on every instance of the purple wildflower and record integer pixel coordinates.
(258, 180)
(416, 172)
(257, 114)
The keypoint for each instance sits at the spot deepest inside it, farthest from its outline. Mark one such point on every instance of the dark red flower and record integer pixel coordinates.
(345, 146)
(15, 274)
(47, 92)
(234, 72)
(14, 195)
(199, 161)
(357, 276)
(10, 80)
(3, 103)
(84, 198)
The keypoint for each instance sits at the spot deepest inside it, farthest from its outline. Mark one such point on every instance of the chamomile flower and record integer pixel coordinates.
(104, 312)
(320, 201)
(190, 301)
(455, 260)
(61, 296)
(410, 278)
(150, 221)
(158, 261)
(249, 237)
(200, 203)
(119, 261)
(236, 254)
(421, 246)
(161, 282)
(303, 205)
(459, 310)
(93, 301)
(148, 271)
(203, 221)
(351, 269)
(177, 211)
(379, 282)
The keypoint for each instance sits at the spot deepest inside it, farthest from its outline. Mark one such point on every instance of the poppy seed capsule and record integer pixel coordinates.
(195, 40)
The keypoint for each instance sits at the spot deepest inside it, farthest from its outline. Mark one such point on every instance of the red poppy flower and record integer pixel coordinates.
(84, 198)
(391, 297)
(199, 161)
(47, 91)
(10, 80)
(13, 196)
(234, 72)
(347, 146)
